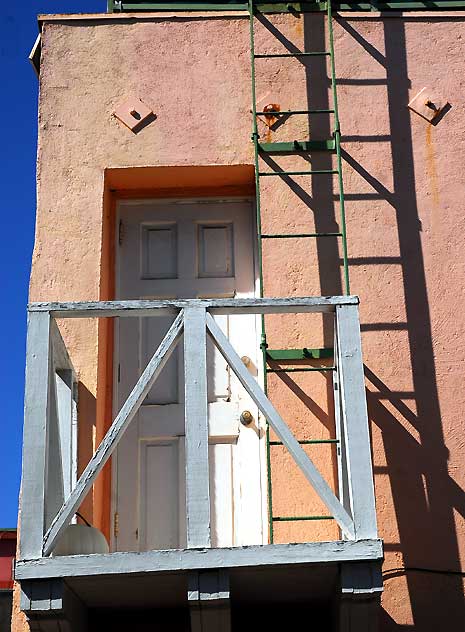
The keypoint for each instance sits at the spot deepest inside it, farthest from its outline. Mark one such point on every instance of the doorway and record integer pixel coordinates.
(186, 249)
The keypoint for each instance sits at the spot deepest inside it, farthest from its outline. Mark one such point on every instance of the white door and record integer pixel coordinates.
(186, 249)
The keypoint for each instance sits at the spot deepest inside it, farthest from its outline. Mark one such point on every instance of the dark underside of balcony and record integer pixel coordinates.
(250, 587)
(277, 583)
(269, 617)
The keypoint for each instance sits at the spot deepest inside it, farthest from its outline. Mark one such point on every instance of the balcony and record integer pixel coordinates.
(199, 578)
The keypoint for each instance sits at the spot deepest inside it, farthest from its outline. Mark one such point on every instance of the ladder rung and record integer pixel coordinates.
(308, 441)
(288, 112)
(301, 369)
(298, 173)
(300, 235)
(297, 146)
(299, 354)
(299, 518)
(322, 53)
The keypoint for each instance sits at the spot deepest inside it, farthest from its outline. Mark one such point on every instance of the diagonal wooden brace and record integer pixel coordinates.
(280, 427)
(115, 432)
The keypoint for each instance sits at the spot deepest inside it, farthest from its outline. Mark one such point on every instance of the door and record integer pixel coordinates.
(186, 249)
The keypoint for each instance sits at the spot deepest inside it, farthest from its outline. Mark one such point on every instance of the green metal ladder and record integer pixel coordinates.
(305, 147)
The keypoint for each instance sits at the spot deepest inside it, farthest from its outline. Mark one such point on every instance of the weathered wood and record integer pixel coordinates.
(208, 597)
(119, 425)
(191, 559)
(66, 407)
(54, 492)
(361, 579)
(74, 433)
(59, 445)
(196, 429)
(52, 607)
(35, 446)
(217, 306)
(207, 586)
(282, 430)
(360, 589)
(341, 450)
(355, 421)
(64, 395)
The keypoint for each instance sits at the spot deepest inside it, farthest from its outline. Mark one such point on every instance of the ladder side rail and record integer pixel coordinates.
(255, 138)
(337, 142)
(354, 420)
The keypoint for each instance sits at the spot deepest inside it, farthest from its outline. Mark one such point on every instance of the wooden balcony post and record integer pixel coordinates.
(354, 420)
(196, 424)
(35, 440)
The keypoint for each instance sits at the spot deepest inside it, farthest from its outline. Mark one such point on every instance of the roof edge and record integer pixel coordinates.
(144, 16)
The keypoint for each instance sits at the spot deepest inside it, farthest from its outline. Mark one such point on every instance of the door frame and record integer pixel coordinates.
(138, 200)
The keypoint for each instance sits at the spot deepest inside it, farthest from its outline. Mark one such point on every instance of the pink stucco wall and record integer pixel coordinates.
(404, 187)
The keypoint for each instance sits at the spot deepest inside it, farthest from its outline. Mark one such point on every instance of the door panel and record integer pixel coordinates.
(185, 250)
(219, 373)
(216, 250)
(221, 493)
(166, 388)
(159, 467)
(159, 246)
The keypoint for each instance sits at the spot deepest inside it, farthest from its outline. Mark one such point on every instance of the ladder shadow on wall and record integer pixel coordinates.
(406, 425)
(314, 194)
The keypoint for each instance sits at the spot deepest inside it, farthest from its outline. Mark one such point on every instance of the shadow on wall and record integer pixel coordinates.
(424, 495)
(87, 408)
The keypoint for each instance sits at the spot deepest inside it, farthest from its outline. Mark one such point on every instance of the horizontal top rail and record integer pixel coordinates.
(101, 309)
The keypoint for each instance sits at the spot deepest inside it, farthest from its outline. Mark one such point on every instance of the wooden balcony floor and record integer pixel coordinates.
(285, 573)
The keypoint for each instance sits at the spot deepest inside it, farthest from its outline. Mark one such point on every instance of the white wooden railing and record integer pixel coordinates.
(50, 500)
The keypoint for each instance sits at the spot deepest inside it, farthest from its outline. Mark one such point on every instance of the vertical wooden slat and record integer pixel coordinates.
(355, 421)
(65, 408)
(341, 451)
(64, 392)
(74, 432)
(196, 421)
(54, 492)
(36, 413)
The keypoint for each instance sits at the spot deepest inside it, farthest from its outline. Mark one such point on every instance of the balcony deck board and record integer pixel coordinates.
(176, 560)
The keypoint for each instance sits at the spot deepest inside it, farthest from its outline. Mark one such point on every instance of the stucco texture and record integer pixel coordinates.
(404, 203)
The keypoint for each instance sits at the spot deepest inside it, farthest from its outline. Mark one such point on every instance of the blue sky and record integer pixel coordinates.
(18, 109)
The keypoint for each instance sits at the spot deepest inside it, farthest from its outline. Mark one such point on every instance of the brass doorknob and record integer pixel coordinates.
(246, 417)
